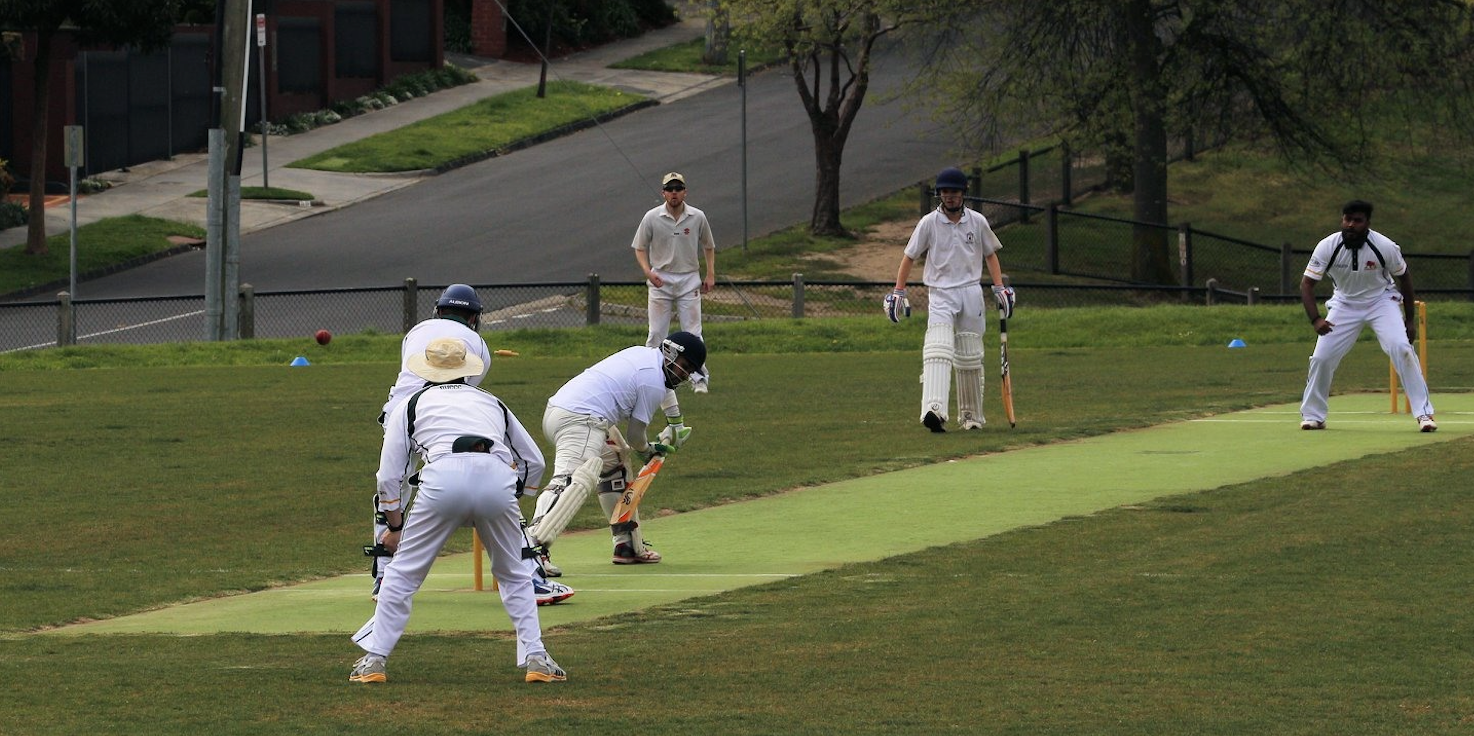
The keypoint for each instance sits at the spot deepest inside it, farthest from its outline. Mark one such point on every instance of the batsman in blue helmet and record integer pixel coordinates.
(956, 244)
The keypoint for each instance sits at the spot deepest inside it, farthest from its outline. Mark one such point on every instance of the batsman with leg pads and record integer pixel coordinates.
(582, 421)
(956, 243)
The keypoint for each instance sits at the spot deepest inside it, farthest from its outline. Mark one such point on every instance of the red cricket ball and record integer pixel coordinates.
(323, 337)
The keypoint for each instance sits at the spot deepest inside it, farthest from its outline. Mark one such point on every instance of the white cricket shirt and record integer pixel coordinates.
(1370, 279)
(954, 252)
(674, 245)
(628, 384)
(443, 413)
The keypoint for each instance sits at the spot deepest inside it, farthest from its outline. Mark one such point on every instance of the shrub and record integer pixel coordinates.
(12, 214)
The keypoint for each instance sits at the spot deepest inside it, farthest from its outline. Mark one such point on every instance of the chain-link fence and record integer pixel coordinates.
(393, 310)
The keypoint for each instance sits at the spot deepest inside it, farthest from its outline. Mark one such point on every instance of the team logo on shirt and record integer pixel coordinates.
(1371, 265)
(969, 237)
(687, 231)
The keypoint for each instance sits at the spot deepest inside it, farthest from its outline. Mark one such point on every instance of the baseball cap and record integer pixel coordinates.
(672, 178)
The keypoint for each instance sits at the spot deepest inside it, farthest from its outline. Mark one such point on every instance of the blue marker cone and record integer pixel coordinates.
(1236, 343)
(299, 360)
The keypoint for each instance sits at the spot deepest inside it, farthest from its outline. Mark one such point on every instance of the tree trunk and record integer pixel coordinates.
(41, 95)
(718, 31)
(828, 156)
(1149, 259)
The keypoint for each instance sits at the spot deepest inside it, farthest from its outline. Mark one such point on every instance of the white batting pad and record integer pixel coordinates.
(554, 510)
(937, 354)
(969, 365)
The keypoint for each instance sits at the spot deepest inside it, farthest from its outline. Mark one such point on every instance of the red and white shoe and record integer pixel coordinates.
(1426, 424)
(624, 554)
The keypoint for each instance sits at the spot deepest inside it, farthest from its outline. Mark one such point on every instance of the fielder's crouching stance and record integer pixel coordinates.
(582, 421)
(478, 458)
(956, 242)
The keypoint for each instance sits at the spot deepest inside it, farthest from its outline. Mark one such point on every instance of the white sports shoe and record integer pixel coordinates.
(542, 668)
(1426, 423)
(549, 592)
(368, 668)
(1312, 424)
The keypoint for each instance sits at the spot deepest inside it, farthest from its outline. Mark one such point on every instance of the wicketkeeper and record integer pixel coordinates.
(956, 242)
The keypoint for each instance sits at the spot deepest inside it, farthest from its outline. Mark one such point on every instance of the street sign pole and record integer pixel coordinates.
(74, 157)
(261, 89)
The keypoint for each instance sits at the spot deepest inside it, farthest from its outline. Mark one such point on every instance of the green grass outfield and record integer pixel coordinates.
(1266, 580)
(813, 529)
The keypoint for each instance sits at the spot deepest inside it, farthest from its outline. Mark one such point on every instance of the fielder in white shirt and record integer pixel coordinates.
(478, 459)
(669, 245)
(1371, 287)
(956, 243)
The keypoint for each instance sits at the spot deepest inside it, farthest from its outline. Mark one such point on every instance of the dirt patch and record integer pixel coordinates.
(876, 255)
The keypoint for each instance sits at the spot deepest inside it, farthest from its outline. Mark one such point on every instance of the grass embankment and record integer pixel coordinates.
(1313, 603)
(101, 245)
(476, 130)
(295, 195)
(687, 57)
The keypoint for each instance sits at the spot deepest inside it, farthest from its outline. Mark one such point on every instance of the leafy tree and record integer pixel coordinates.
(1125, 77)
(145, 24)
(829, 46)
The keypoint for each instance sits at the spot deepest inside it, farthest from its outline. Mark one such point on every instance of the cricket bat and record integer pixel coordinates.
(1007, 382)
(629, 501)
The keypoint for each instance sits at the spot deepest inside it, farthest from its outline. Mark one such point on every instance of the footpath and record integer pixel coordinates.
(161, 188)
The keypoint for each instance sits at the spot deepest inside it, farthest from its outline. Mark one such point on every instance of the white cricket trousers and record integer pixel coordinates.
(679, 295)
(1384, 314)
(458, 489)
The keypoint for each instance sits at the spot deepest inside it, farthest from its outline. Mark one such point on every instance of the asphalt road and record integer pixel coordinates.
(564, 209)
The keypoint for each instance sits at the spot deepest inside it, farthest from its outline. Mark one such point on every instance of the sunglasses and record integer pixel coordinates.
(675, 189)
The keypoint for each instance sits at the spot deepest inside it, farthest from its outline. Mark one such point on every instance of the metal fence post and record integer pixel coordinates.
(1065, 172)
(1253, 295)
(411, 303)
(592, 298)
(1185, 253)
(1051, 234)
(1023, 184)
(1212, 296)
(1286, 269)
(245, 316)
(923, 198)
(66, 320)
(798, 296)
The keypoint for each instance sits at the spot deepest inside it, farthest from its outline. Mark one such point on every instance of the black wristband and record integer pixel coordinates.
(1315, 319)
(395, 528)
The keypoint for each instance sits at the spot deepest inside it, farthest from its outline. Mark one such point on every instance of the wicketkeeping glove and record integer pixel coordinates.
(896, 305)
(1004, 296)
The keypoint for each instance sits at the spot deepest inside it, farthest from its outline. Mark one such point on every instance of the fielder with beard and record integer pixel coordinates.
(1370, 287)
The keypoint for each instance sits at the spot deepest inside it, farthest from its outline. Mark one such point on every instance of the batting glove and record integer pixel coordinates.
(656, 448)
(674, 435)
(896, 305)
(1004, 296)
